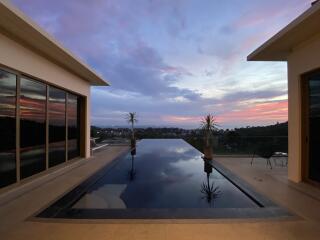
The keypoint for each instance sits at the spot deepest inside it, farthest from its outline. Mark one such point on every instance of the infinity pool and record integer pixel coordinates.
(161, 178)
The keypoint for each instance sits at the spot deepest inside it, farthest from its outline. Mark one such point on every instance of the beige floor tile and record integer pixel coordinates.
(300, 199)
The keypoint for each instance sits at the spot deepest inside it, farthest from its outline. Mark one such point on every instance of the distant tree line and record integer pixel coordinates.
(246, 140)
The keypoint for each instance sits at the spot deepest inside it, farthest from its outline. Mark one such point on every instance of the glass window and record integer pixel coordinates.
(63, 120)
(32, 127)
(314, 127)
(57, 126)
(8, 84)
(73, 126)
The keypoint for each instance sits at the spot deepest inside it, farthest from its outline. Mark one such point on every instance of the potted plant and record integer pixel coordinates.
(132, 119)
(208, 125)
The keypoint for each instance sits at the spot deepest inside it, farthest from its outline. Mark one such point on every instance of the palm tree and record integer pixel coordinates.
(208, 125)
(132, 119)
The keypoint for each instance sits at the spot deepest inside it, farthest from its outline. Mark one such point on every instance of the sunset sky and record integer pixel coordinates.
(173, 61)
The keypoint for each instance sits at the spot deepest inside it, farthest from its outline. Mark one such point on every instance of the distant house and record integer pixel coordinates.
(299, 45)
(44, 101)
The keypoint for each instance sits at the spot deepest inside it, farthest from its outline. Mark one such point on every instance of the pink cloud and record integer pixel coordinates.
(260, 113)
(270, 13)
(181, 119)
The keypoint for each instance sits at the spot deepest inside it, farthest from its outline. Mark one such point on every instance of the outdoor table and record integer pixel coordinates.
(280, 156)
(275, 156)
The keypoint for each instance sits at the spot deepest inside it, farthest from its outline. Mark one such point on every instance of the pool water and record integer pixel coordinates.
(161, 179)
(166, 173)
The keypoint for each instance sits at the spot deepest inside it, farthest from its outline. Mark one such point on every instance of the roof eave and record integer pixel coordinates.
(259, 55)
(26, 31)
(279, 47)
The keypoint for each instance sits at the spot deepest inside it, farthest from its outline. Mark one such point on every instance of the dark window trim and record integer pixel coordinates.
(82, 120)
(304, 98)
(34, 78)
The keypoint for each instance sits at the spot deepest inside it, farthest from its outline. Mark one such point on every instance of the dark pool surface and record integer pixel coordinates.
(163, 179)
(166, 173)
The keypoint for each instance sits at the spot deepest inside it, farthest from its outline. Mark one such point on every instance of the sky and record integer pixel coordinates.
(175, 61)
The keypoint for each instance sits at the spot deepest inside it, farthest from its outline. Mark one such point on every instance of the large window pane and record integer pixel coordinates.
(73, 126)
(7, 128)
(32, 127)
(314, 127)
(57, 126)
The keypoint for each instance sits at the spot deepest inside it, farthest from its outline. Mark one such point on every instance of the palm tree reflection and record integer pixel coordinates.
(210, 192)
(132, 171)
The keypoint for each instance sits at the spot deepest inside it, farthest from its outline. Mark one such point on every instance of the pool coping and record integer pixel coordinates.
(243, 186)
(61, 208)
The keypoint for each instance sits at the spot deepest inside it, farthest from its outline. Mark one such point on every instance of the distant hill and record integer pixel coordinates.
(272, 130)
(244, 140)
(279, 129)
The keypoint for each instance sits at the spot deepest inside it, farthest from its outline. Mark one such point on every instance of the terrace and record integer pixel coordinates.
(19, 207)
(175, 194)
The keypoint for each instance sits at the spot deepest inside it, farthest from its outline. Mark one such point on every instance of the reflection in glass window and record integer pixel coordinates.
(7, 128)
(32, 127)
(63, 120)
(314, 127)
(73, 126)
(57, 126)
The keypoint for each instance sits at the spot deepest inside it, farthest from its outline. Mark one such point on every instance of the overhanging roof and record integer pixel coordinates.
(16, 25)
(280, 45)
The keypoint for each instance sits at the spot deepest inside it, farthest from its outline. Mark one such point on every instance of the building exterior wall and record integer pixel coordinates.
(22, 59)
(304, 58)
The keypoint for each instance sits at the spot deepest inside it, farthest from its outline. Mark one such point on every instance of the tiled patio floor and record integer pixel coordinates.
(304, 200)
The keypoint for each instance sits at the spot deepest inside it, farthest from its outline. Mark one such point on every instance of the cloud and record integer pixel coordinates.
(158, 111)
(173, 61)
(251, 95)
(257, 114)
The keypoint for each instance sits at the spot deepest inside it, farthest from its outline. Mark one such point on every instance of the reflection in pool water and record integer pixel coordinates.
(132, 171)
(166, 173)
(210, 192)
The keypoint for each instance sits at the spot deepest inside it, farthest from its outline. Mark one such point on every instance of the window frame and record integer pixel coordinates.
(82, 120)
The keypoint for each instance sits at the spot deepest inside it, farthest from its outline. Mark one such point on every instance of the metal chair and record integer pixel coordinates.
(265, 151)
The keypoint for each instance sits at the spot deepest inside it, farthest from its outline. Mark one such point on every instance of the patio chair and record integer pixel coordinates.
(265, 151)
